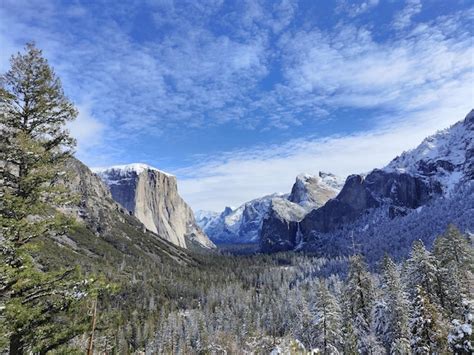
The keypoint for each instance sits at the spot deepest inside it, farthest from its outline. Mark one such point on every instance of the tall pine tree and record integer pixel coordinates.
(396, 335)
(37, 305)
(359, 298)
(327, 320)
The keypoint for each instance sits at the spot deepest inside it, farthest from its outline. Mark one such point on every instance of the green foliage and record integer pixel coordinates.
(40, 309)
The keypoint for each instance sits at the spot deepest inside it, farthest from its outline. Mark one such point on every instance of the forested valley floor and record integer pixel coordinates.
(292, 302)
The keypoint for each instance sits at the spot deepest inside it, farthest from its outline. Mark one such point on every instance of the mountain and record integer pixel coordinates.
(244, 224)
(152, 197)
(312, 191)
(425, 188)
(104, 230)
(280, 228)
(238, 226)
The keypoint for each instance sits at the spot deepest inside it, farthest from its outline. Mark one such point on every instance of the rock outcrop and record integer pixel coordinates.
(313, 191)
(280, 227)
(251, 222)
(441, 165)
(152, 196)
(105, 228)
(238, 226)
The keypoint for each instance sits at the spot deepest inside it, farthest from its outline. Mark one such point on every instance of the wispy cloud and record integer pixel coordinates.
(347, 67)
(232, 178)
(354, 9)
(144, 72)
(404, 17)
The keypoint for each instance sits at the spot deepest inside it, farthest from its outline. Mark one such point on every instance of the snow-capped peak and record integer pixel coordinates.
(137, 168)
(445, 156)
(312, 191)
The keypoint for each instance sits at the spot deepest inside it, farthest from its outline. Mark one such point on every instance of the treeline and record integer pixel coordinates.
(423, 306)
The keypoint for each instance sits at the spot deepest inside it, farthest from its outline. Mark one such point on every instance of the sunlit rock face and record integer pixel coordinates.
(152, 196)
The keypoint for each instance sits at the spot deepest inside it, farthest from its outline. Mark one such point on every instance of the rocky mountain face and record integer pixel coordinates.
(238, 226)
(152, 197)
(280, 227)
(105, 229)
(252, 220)
(437, 174)
(312, 191)
(434, 169)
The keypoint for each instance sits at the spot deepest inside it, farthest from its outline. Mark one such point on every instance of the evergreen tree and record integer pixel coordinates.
(37, 306)
(456, 262)
(427, 333)
(304, 328)
(396, 333)
(359, 296)
(461, 338)
(422, 272)
(327, 320)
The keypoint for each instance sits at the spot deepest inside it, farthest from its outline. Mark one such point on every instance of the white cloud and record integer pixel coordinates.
(354, 9)
(348, 68)
(236, 177)
(403, 18)
(87, 129)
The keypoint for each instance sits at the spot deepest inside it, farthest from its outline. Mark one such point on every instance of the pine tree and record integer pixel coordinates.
(359, 297)
(396, 334)
(461, 338)
(304, 328)
(34, 145)
(427, 332)
(422, 272)
(327, 320)
(456, 262)
(453, 247)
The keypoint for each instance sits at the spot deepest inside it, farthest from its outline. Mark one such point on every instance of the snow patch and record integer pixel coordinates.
(126, 169)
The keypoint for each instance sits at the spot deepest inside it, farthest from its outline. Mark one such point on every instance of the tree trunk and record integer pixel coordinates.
(90, 348)
(16, 344)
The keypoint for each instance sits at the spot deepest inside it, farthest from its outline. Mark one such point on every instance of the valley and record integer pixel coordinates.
(368, 249)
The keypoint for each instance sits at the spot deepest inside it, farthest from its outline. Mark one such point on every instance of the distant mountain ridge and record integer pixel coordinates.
(245, 223)
(425, 188)
(437, 174)
(152, 196)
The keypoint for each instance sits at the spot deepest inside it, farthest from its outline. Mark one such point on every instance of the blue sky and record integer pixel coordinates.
(236, 98)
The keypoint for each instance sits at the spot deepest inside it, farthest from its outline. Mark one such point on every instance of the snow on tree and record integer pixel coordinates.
(359, 297)
(460, 338)
(427, 330)
(422, 272)
(395, 331)
(456, 260)
(327, 314)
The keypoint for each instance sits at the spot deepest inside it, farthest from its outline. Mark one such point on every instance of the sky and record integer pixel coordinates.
(236, 98)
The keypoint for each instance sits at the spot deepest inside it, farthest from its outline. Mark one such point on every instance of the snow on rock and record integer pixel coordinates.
(241, 225)
(152, 196)
(123, 170)
(313, 191)
(446, 157)
(244, 224)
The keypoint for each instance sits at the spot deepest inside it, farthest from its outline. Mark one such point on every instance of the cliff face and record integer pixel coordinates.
(438, 166)
(280, 228)
(397, 191)
(105, 229)
(152, 196)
